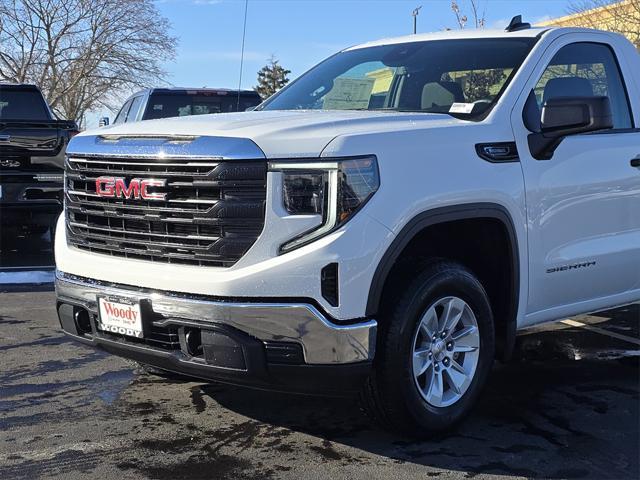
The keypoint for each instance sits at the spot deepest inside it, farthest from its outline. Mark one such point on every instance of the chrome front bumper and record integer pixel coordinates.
(323, 342)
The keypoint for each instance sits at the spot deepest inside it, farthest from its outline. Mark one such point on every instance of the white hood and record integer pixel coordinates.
(282, 134)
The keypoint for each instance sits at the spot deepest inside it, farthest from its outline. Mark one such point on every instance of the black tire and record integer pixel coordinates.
(390, 395)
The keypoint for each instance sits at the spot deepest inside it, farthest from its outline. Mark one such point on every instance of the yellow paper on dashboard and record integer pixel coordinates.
(349, 94)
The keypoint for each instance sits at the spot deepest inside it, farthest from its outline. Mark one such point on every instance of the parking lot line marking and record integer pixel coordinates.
(601, 331)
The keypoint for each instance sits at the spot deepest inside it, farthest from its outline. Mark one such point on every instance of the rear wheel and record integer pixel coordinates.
(435, 352)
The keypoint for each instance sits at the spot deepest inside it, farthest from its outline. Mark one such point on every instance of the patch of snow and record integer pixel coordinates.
(27, 277)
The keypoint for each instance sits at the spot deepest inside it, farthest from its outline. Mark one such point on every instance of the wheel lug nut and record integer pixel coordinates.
(437, 365)
(443, 334)
(449, 346)
(446, 362)
(434, 338)
(430, 354)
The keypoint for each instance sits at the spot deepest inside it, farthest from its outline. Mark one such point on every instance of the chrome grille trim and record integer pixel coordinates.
(165, 147)
(213, 213)
(186, 237)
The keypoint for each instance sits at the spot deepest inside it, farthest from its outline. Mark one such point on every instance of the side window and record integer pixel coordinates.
(133, 111)
(122, 114)
(585, 70)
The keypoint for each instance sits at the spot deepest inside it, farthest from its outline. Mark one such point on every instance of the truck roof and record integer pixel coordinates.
(195, 89)
(19, 86)
(464, 34)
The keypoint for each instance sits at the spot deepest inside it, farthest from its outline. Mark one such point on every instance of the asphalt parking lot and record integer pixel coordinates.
(567, 407)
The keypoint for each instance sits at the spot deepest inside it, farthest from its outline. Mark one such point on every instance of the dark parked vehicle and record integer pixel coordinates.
(32, 148)
(154, 103)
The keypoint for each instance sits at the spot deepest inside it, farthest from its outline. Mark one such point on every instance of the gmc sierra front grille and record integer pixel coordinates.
(211, 214)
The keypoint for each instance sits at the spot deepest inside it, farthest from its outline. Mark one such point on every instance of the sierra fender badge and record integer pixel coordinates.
(575, 266)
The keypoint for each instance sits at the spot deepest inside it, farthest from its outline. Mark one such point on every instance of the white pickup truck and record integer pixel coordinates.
(383, 225)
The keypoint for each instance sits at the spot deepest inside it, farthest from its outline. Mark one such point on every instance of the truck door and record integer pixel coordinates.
(583, 204)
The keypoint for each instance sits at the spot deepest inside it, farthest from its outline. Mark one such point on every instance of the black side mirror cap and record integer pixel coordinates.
(571, 115)
(565, 116)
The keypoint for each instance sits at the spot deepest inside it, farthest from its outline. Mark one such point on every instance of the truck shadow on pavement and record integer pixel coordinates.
(556, 419)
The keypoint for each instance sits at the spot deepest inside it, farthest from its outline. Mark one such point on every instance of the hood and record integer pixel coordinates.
(282, 134)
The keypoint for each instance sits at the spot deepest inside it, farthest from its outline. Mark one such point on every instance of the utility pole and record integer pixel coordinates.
(244, 34)
(414, 14)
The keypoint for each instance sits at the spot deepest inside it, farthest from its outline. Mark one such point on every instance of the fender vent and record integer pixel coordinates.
(329, 284)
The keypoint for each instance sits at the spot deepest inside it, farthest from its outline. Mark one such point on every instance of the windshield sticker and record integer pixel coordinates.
(462, 108)
(349, 94)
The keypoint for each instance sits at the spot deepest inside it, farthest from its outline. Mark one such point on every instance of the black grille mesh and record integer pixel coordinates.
(212, 214)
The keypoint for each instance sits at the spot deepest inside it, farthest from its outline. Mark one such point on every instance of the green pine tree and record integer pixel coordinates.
(271, 78)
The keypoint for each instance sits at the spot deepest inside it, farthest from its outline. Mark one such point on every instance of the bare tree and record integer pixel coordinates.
(478, 14)
(83, 54)
(617, 16)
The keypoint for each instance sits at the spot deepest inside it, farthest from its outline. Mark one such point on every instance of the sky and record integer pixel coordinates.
(300, 33)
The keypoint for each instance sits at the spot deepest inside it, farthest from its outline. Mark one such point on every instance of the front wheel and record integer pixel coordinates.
(436, 350)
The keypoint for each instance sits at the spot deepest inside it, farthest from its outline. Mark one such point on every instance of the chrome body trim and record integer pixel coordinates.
(159, 148)
(323, 342)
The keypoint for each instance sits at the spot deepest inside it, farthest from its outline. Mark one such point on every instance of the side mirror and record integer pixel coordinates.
(565, 116)
(104, 121)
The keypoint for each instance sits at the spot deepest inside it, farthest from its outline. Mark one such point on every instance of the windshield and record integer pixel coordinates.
(180, 104)
(458, 77)
(22, 104)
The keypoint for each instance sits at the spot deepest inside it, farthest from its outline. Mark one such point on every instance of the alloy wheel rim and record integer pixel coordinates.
(445, 352)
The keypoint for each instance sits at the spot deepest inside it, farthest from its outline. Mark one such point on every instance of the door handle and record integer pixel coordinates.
(636, 162)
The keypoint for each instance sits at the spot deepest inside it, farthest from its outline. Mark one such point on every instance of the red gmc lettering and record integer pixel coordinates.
(137, 188)
(104, 186)
(152, 183)
(133, 191)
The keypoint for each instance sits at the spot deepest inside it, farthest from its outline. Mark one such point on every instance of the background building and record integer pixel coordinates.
(621, 17)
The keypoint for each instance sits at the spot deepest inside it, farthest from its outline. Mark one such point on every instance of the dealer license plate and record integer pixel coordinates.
(120, 316)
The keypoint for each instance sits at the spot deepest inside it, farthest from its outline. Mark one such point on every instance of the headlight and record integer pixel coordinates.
(333, 189)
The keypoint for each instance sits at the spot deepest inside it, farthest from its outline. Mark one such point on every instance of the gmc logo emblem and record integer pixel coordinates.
(138, 188)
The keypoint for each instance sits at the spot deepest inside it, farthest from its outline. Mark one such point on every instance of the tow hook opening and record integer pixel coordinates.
(193, 342)
(74, 319)
(81, 317)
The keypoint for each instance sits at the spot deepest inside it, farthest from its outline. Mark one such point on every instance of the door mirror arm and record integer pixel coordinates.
(562, 117)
